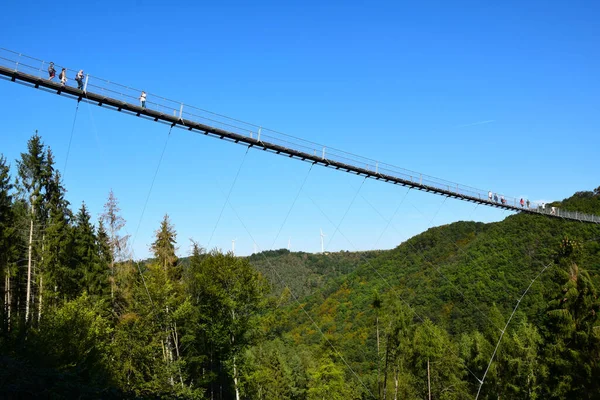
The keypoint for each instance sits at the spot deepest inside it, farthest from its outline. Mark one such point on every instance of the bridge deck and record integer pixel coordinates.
(416, 182)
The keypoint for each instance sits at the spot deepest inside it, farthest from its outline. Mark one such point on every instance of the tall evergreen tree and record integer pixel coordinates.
(31, 176)
(8, 242)
(57, 237)
(85, 252)
(114, 223)
(164, 249)
(104, 252)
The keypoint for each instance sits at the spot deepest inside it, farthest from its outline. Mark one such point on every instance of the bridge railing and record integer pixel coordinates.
(39, 68)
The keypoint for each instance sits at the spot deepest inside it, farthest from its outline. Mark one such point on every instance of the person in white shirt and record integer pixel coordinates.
(79, 79)
(143, 99)
(63, 76)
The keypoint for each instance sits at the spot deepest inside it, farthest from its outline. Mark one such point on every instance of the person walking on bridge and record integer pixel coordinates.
(143, 99)
(490, 195)
(522, 202)
(79, 79)
(63, 76)
(51, 71)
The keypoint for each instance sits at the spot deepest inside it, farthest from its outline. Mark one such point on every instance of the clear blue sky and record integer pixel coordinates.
(502, 97)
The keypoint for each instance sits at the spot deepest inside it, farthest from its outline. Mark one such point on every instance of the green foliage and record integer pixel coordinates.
(228, 295)
(305, 273)
(587, 202)
(8, 245)
(88, 269)
(327, 381)
(572, 345)
(164, 247)
(423, 317)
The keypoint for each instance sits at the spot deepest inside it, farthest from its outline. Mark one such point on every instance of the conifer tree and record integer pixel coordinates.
(88, 266)
(8, 242)
(164, 249)
(104, 252)
(31, 174)
(114, 222)
(57, 238)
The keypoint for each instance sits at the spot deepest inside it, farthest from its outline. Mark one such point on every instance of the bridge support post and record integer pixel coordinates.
(323, 157)
(180, 110)
(259, 129)
(87, 76)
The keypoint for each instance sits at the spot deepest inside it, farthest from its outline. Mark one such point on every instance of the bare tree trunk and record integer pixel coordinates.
(235, 375)
(396, 370)
(235, 380)
(29, 266)
(40, 305)
(7, 299)
(41, 281)
(176, 343)
(212, 388)
(428, 380)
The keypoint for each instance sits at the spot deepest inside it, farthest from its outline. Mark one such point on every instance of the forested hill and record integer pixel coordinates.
(301, 273)
(586, 202)
(455, 273)
(462, 281)
(80, 319)
(304, 273)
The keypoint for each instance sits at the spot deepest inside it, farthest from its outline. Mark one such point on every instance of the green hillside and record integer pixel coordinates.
(80, 319)
(304, 273)
(465, 278)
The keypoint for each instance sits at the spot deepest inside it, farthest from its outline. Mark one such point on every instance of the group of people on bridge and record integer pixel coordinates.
(63, 76)
(493, 198)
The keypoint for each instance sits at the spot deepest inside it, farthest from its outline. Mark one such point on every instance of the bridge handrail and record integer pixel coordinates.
(23, 63)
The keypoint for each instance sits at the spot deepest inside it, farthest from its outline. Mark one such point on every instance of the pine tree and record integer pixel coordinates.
(104, 253)
(158, 317)
(87, 263)
(31, 175)
(164, 249)
(118, 243)
(57, 241)
(8, 241)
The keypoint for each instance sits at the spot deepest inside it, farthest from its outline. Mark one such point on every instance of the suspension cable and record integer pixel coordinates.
(70, 140)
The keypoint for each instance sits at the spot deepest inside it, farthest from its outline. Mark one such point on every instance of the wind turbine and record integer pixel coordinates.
(289, 243)
(322, 247)
(233, 246)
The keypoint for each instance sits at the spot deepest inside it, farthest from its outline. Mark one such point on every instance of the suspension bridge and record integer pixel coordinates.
(32, 72)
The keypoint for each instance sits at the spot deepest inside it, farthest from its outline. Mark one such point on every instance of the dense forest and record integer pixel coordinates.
(503, 310)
